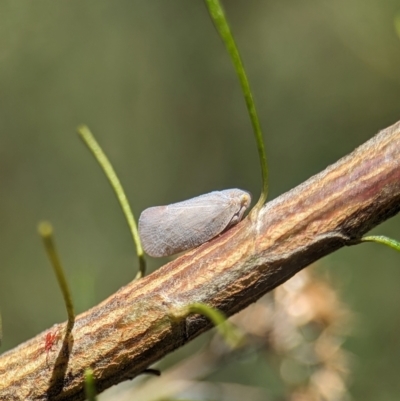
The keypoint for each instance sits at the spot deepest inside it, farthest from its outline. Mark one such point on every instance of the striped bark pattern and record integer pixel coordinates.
(136, 326)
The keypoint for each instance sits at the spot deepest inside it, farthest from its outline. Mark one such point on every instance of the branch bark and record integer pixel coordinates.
(135, 327)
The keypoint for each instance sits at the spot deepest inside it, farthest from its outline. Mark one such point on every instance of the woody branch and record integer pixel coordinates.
(135, 327)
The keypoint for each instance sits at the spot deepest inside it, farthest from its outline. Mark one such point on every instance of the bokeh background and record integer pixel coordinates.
(154, 83)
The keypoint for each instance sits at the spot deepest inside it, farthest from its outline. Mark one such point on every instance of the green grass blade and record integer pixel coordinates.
(105, 164)
(46, 232)
(380, 239)
(228, 331)
(218, 16)
(90, 388)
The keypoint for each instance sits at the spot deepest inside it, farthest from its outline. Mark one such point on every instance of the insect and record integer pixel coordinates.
(50, 341)
(166, 230)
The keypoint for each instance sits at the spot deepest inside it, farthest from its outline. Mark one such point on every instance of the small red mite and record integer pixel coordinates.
(50, 340)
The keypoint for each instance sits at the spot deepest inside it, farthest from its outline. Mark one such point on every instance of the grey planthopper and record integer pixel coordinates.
(166, 230)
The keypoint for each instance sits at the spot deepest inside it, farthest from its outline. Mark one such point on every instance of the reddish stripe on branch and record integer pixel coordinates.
(133, 328)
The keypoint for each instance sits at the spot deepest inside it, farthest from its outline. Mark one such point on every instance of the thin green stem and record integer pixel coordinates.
(218, 16)
(228, 331)
(46, 232)
(90, 388)
(380, 239)
(102, 159)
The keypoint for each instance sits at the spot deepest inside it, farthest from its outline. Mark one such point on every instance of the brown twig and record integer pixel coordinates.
(277, 327)
(135, 327)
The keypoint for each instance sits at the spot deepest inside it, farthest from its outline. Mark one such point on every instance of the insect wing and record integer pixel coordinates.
(166, 230)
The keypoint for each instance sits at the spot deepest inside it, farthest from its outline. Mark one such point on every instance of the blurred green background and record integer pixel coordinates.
(154, 83)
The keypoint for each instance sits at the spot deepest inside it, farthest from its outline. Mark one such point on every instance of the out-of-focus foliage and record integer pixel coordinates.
(155, 85)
